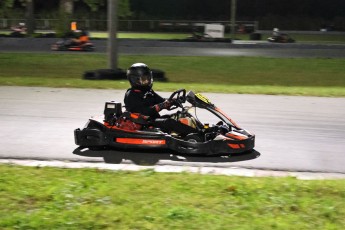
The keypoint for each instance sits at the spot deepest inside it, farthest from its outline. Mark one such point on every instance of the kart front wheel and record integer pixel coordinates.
(88, 48)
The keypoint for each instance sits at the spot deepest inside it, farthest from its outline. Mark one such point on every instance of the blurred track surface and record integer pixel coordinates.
(292, 133)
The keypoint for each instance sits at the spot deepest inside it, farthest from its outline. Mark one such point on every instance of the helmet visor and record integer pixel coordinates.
(145, 80)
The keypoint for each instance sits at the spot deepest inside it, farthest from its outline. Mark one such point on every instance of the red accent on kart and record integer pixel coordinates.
(184, 121)
(134, 115)
(136, 141)
(128, 125)
(232, 121)
(234, 136)
(130, 122)
(123, 128)
(237, 146)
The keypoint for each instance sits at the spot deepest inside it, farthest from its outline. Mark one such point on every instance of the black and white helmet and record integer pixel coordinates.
(139, 76)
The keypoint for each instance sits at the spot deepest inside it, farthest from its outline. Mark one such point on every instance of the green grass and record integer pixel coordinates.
(148, 35)
(255, 75)
(55, 198)
(315, 38)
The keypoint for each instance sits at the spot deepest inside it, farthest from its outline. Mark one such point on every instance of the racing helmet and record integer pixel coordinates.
(139, 76)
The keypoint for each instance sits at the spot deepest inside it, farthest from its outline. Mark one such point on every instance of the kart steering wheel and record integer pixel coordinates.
(178, 98)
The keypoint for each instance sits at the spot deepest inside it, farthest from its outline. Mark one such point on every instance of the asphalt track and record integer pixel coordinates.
(161, 47)
(292, 133)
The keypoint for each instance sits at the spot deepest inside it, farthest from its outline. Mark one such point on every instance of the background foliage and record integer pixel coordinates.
(286, 14)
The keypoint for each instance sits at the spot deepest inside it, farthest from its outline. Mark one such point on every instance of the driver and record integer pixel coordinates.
(82, 38)
(276, 32)
(141, 98)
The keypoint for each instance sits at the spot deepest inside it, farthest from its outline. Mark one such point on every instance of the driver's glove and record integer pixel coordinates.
(164, 105)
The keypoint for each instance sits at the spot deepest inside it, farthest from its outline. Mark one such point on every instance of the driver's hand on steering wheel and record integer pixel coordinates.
(172, 101)
(164, 105)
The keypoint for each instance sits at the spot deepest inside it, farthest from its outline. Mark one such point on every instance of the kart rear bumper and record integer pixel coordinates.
(90, 137)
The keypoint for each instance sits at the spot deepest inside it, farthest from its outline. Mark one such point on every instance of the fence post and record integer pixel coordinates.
(112, 34)
(233, 18)
(256, 25)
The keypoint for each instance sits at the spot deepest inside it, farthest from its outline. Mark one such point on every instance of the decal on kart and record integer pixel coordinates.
(202, 98)
(137, 141)
(236, 136)
(232, 121)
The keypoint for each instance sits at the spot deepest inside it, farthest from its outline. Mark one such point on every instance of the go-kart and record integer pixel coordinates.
(282, 38)
(126, 132)
(67, 45)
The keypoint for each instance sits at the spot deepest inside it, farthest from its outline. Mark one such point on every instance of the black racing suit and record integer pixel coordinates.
(143, 102)
(147, 102)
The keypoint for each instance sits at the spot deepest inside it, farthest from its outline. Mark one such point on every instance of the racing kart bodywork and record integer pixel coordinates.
(67, 45)
(123, 131)
(282, 38)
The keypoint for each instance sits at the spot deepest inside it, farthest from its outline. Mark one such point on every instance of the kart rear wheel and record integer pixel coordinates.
(145, 162)
(112, 159)
(193, 137)
(88, 48)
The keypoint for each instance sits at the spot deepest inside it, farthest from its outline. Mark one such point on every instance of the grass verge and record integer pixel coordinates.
(315, 38)
(255, 75)
(98, 199)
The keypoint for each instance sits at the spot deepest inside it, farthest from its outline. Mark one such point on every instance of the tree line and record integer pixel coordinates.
(64, 10)
(286, 14)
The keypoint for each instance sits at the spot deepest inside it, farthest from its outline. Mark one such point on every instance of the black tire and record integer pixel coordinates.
(193, 137)
(255, 36)
(62, 48)
(158, 75)
(88, 48)
(105, 74)
(145, 162)
(112, 159)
